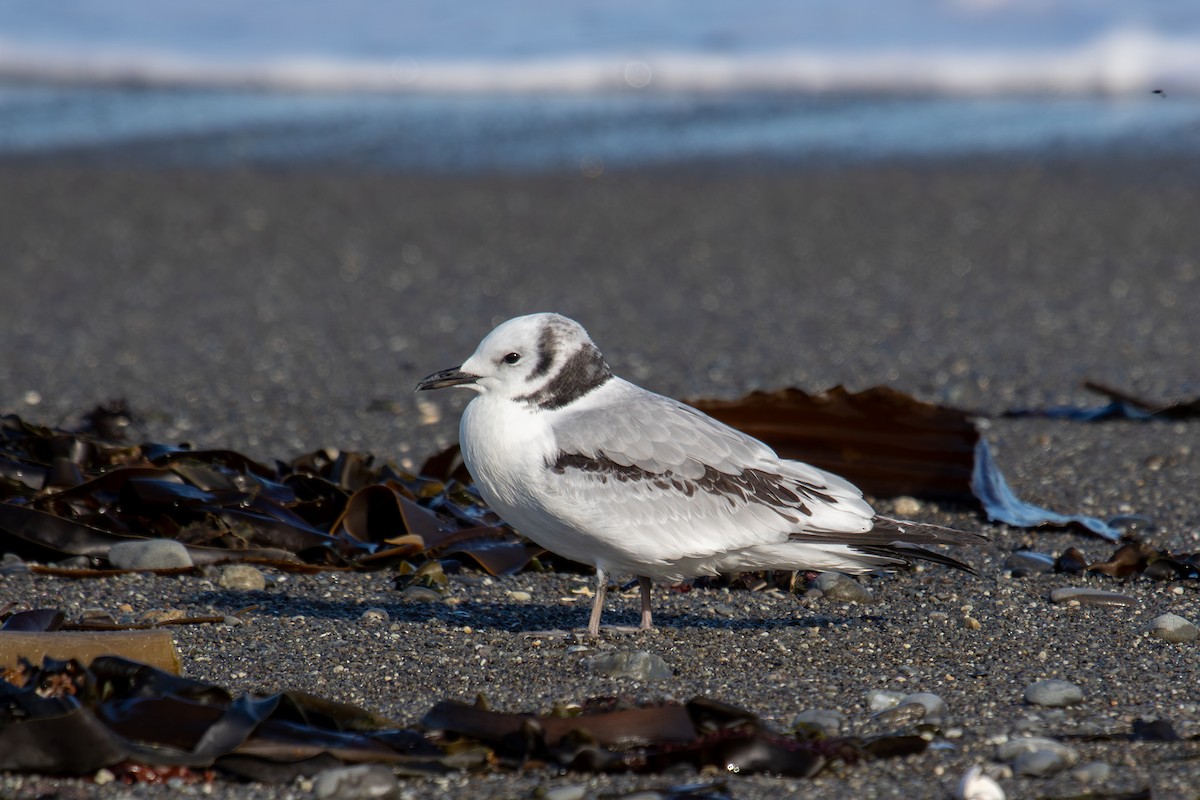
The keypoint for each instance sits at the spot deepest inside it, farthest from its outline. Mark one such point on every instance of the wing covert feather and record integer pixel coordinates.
(678, 484)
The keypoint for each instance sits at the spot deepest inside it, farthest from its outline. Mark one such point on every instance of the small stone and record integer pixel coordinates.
(637, 665)
(1053, 693)
(972, 623)
(520, 597)
(935, 707)
(149, 554)
(836, 586)
(827, 721)
(420, 594)
(908, 506)
(882, 699)
(12, 564)
(975, 785)
(1173, 628)
(374, 616)
(103, 776)
(1013, 749)
(571, 792)
(1093, 772)
(1072, 561)
(724, 610)
(1023, 563)
(901, 716)
(1091, 597)
(243, 576)
(1040, 763)
(360, 782)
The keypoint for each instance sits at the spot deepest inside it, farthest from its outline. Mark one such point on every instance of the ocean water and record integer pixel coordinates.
(592, 84)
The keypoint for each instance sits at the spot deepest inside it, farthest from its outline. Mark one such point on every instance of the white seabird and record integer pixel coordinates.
(604, 472)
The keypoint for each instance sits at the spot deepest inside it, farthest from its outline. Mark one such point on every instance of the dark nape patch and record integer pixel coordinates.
(784, 497)
(582, 373)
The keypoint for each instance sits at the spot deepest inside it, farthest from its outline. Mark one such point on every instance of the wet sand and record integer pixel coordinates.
(275, 313)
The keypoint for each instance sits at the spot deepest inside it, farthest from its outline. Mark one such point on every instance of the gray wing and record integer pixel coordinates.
(668, 482)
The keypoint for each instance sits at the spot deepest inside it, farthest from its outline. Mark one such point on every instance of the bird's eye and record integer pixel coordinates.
(512, 358)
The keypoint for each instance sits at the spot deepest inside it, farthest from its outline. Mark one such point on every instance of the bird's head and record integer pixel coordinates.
(544, 360)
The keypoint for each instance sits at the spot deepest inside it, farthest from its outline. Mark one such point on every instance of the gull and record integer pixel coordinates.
(604, 472)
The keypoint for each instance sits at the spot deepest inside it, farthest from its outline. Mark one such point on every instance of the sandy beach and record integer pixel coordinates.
(279, 312)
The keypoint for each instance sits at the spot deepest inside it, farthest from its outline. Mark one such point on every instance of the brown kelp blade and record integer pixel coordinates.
(886, 443)
(890, 444)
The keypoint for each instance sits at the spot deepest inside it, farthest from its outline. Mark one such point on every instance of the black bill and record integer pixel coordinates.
(447, 377)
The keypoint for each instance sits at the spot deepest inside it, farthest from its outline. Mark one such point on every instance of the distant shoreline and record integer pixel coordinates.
(591, 134)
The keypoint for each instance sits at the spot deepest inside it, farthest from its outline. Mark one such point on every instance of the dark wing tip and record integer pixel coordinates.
(924, 532)
(905, 554)
(907, 536)
(897, 542)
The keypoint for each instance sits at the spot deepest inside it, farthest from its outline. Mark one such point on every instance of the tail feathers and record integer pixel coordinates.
(903, 554)
(896, 542)
(924, 532)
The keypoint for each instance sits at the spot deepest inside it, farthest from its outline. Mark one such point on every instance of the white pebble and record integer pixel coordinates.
(975, 785)
(1053, 693)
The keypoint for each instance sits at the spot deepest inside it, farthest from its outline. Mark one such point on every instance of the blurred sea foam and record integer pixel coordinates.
(532, 85)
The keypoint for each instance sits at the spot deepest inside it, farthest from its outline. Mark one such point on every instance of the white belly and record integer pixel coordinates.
(507, 450)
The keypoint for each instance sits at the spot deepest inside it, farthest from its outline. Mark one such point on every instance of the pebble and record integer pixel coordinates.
(360, 782)
(11, 564)
(883, 699)
(724, 610)
(1173, 628)
(149, 554)
(908, 506)
(934, 706)
(1028, 562)
(829, 722)
(243, 576)
(1093, 772)
(902, 716)
(570, 792)
(1037, 756)
(1053, 693)
(975, 785)
(638, 665)
(420, 594)
(375, 615)
(836, 586)
(1040, 763)
(520, 596)
(1071, 561)
(1091, 597)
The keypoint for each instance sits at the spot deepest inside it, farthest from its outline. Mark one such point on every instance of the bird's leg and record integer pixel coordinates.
(598, 602)
(644, 582)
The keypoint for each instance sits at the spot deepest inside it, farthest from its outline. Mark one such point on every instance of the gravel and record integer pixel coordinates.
(276, 313)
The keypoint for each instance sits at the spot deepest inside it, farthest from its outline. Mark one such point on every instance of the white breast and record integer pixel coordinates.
(506, 448)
